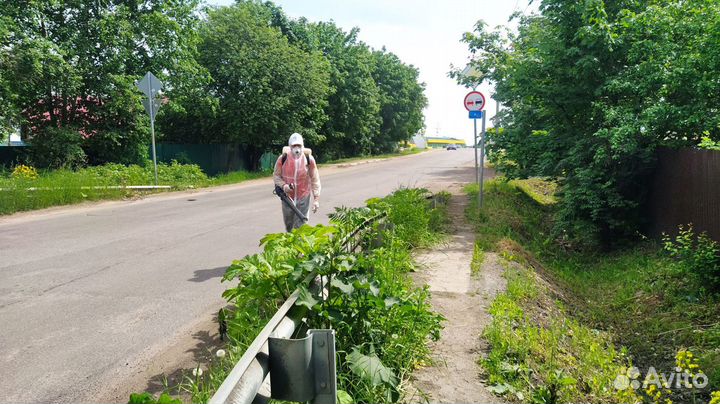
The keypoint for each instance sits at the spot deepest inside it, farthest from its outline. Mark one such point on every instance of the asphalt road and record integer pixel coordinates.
(89, 292)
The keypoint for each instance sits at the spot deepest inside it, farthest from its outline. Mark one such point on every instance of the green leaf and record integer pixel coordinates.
(141, 398)
(147, 398)
(346, 288)
(567, 381)
(501, 389)
(334, 315)
(345, 263)
(361, 284)
(370, 368)
(165, 398)
(391, 301)
(306, 298)
(344, 398)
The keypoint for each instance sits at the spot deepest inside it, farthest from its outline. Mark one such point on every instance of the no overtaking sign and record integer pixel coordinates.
(474, 101)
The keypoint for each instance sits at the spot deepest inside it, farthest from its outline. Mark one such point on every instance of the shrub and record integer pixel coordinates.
(181, 174)
(57, 148)
(126, 146)
(697, 255)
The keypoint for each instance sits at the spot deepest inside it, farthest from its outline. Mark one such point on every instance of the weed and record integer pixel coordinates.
(24, 172)
(382, 322)
(698, 257)
(643, 298)
(26, 189)
(544, 356)
(147, 398)
(477, 259)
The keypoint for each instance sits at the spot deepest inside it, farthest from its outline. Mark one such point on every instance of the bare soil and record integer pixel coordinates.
(455, 375)
(155, 372)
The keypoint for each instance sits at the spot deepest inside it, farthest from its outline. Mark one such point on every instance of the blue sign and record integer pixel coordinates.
(476, 114)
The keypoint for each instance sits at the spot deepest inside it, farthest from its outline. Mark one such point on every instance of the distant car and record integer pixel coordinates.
(452, 147)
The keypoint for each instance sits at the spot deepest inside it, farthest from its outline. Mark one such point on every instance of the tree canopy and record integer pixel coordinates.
(245, 74)
(591, 90)
(266, 88)
(273, 75)
(69, 67)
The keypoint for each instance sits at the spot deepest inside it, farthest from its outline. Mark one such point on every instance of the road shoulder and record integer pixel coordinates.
(463, 299)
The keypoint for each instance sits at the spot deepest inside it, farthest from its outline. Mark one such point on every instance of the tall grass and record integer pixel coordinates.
(640, 295)
(63, 187)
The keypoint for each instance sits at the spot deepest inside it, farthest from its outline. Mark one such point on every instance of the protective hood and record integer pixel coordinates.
(295, 138)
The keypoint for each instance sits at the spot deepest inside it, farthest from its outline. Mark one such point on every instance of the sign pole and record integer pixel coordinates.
(475, 150)
(151, 86)
(475, 103)
(482, 161)
(151, 101)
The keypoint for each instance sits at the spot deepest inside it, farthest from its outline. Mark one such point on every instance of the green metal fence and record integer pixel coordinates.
(9, 155)
(212, 158)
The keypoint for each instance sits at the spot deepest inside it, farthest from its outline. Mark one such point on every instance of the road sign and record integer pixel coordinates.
(474, 101)
(476, 114)
(150, 85)
(155, 106)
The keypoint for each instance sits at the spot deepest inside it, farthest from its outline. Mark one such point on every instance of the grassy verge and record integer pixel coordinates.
(639, 298)
(540, 353)
(235, 177)
(37, 190)
(382, 321)
(27, 189)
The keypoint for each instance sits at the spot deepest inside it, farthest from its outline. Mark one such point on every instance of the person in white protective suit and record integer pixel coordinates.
(297, 173)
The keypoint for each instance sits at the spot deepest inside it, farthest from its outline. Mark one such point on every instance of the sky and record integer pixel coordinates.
(424, 33)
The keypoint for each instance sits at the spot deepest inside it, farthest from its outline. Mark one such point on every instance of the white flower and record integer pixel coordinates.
(220, 353)
(197, 372)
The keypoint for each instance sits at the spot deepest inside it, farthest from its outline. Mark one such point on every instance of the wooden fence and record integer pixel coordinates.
(686, 189)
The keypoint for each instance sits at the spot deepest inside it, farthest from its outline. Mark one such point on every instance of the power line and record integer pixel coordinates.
(516, 6)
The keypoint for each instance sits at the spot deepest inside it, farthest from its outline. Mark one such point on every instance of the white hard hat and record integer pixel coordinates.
(295, 138)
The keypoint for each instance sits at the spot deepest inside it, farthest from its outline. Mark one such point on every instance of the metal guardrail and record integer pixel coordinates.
(248, 381)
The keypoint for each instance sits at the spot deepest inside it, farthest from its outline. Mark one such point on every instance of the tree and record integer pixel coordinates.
(73, 64)
(8, 113)
(357, 121)
(591, 89)
(272, 75)
(265, 87)
(353, 108)
(402, 100)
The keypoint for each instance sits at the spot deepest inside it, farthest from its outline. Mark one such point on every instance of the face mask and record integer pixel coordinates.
(297, 150)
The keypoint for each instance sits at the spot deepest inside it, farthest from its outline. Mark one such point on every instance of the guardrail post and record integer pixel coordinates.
(304, 369)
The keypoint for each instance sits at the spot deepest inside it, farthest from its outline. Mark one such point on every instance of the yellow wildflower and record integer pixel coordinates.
(24, 172)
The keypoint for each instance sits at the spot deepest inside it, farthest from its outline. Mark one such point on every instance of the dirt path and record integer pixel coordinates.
(463, 299)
